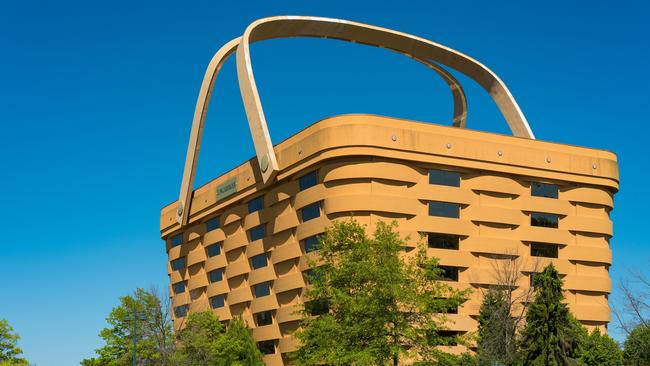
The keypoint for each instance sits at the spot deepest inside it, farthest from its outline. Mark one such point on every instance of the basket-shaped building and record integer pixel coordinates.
(483, 202)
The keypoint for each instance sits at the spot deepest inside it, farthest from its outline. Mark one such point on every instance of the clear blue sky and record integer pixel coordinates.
(96, 101)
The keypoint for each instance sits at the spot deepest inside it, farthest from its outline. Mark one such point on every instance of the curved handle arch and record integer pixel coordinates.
(200, 111)
(410, 45)
(203, 100)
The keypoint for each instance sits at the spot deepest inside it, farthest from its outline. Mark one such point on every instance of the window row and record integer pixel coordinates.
(260, 290)
(310, 244)
(452, 179)
(436, 177)
(452, 210)
(442, 241)
(307, 181)
(451, 242)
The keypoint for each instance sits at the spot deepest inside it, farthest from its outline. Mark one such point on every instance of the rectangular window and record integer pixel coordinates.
(256, 204)
(260, 261)
(181, 311)
(544, 220)
(310, 212)
(308, 180)
(444, 178)
(532, 277)
(444, 209)
(217, 301)
(449, 273)
(544, 190)
(213, 250)
(450, 337)
(310, 276)
(266, 347)
(543, 250)
(443, 241)
(178, 264)
(451, 309)
(216, 275)
(262, 289)
(311, 243)
(179, 287)
(264, 318)
(212, 224)
(317, 307)
(257, 233)
(177, 240)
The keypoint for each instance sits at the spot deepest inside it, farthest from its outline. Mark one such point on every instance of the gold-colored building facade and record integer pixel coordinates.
(376, 168)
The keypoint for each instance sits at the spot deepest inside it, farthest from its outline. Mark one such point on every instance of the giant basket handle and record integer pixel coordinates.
(201, 109)
(417, 48)
(420, 48)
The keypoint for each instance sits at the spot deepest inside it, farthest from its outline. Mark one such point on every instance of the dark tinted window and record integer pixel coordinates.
(449, 273)
(311, 243)
(216, 275)
(177, 240)
(258, 232)
(256, 204)
(310, 211)
(543, 190)
(262, 289)
(451, 309)
(443, 241)
(181, 311)
(212, 224)
(308, 180)
(543, 250)
(266, 347)
(532, 277)
(450, 337)
(259, 261)
(317, 307)
(214, 249)
(444, 178)
(310, 275)
(217, 301)
(444, 209)
(264, 318)
(178, 264)
(544, 219)
(178, 287)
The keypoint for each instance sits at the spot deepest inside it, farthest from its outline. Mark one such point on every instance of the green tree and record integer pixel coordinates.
(598, 349)
(551, 336)
(496, 330)
(205, 341)
(636, 351)
(376, 303)
(154, 333)
(9, 350)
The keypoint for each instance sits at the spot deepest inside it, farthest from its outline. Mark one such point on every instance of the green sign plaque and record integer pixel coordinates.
(226, 188)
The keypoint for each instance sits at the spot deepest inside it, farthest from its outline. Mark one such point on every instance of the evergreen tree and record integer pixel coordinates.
(377, 304)
(9, 350)
(205, 341)
(551, 336)
(636, 350)
(496, 330)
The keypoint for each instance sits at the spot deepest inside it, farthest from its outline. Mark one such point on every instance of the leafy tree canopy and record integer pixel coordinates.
(636, 350)
(598, 349)
(154, 332)
(376, 302)
(205, 341)
(9, 350)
